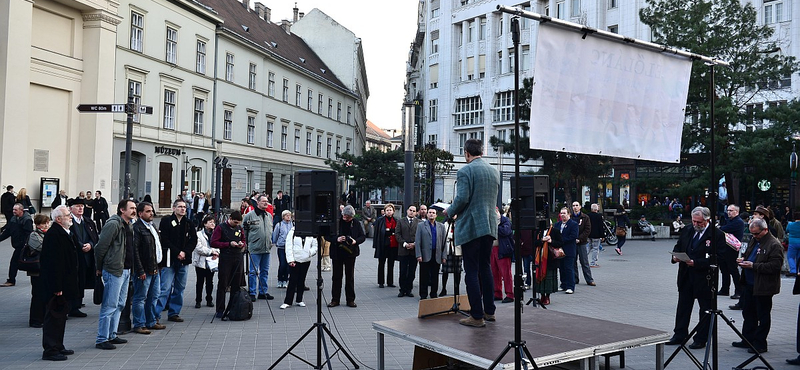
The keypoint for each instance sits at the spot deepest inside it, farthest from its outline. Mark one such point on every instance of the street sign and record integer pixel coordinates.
(102, 108)
(113, 108)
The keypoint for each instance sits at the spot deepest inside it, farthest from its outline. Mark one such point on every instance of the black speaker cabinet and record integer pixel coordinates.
(533, 196)
(316, 210)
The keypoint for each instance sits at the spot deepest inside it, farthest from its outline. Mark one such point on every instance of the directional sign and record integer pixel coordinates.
(102, 108)
(114, 108)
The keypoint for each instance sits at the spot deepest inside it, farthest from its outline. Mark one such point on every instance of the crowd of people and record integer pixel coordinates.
(78, 253)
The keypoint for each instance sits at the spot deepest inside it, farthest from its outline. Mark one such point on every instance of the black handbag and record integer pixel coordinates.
(796, 288)
(29, 260)
(99, 289)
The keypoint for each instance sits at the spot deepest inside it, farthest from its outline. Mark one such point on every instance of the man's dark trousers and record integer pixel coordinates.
(408, 269)
(478, 270)
(683, 316)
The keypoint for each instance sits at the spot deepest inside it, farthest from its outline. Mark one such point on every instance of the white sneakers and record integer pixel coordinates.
(301, 304)
(284, 306)
(569, 291)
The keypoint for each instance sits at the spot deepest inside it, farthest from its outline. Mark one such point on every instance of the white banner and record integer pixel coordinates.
(596, 96)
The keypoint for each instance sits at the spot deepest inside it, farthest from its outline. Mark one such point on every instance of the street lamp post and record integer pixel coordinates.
(793, 180)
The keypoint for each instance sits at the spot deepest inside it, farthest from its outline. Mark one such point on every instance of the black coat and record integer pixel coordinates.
(7, 199)
(59, 262)
(381, 240)
(18, 229)
(355, 236)
(86, 259)
(696, 278)
(177, 237)
(144, 247)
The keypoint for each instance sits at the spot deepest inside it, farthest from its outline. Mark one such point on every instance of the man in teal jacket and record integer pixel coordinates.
(476, 229)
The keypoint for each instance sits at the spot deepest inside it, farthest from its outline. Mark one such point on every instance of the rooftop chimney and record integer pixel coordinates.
(259, 8)
(295, 11)
(287, 26)
(302, 15)
(267, 14)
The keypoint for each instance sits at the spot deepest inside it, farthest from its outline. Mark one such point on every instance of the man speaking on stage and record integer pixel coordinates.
(476, 229)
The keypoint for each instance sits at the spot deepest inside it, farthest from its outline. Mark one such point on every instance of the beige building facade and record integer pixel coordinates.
(54, 56)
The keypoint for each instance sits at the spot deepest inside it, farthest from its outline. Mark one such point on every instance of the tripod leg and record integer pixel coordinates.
(499, 358)
(530, 357)
(756, 355)
(296, 343)
(682, 346)
(336, 342)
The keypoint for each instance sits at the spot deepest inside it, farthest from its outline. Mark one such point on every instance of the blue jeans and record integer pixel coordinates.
(283, 266)
(259, 272)
(115, 294)
(478, 276)
(143, 304)
(791, 256)
(173, 282)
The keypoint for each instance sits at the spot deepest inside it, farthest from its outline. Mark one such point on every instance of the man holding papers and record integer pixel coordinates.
(693, 276)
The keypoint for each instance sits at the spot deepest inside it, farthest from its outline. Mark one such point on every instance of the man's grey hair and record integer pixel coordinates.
(595, 207)
(348, 211)
(703, 211)
(59, 211)
(18, 205)
(759, 222)
(735, 207)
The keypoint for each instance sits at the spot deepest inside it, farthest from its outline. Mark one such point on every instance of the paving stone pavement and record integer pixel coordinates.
(636, 288)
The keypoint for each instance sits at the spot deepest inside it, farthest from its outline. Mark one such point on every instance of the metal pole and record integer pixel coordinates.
(793, 180)
(408, 193)
(183, 174)
(517, 206)
(714, 193)
(128, 144)
(218, 188)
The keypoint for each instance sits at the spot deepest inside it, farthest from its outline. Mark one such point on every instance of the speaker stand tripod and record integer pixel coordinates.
(320, 327)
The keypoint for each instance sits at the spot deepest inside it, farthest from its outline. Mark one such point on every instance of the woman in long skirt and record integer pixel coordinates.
(453, 263)
(545, 280)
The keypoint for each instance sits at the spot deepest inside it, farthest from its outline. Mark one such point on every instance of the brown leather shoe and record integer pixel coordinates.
(488, 317)
(352, 304)
(157, 326)
(7, 284)
(141, 330)
(333, 304)
(470, 321)
(175, 318)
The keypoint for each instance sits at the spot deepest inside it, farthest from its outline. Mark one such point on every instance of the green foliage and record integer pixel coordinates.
(726, 30)
(373, 170)
(431, 163)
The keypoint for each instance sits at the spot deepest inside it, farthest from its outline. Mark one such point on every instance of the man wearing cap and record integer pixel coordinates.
(59, 270)
(86, 234)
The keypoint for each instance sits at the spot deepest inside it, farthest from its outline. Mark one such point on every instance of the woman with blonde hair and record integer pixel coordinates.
(25, 200)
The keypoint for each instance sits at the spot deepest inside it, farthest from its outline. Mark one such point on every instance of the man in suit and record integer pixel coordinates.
(476, 229)
(430, 241)
(693, 276)
(86, 233)
(368, 216)
(7, 201)
(584, 229)
(727, 263)
(569, 233)
(761, 277)
(61, 199)
(59, 261)
(406, 233)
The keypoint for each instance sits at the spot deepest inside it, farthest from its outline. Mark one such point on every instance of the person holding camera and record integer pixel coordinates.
(229, 238)
(343, 253)
(385, 244)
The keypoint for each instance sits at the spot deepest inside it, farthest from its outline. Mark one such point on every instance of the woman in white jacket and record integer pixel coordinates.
(205, 259)
(299, 252)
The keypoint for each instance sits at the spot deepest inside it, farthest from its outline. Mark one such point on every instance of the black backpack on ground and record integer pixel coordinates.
(240, 307)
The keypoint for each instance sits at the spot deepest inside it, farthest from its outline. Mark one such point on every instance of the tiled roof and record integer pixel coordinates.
(271, 37)
(374, 130)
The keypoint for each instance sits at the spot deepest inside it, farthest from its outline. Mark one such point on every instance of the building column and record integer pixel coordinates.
(95, 152)
(15, 66)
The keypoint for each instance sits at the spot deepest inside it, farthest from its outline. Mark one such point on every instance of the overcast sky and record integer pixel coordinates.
(386, 30)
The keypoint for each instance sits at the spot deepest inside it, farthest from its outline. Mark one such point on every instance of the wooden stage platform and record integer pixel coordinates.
(552, 338)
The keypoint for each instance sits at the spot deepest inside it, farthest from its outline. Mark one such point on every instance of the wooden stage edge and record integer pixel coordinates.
(551, 337)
